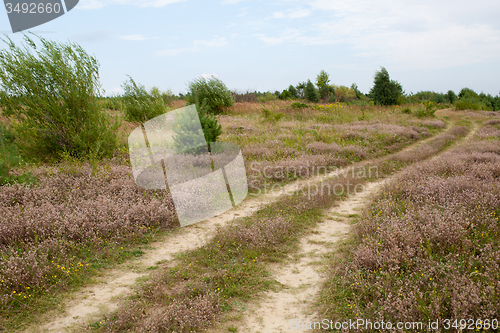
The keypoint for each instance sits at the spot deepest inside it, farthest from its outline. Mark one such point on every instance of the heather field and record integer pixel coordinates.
(428, 246)
(431, 234)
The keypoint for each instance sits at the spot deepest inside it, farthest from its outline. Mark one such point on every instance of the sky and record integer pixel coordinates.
(250, 45)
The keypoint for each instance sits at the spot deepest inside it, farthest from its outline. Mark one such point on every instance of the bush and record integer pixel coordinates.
(113, 103)
(213, 90)
(451, 96)
(53, 91)
(268, 96)
(187, 138)
(385, 91)
(298, 105)
(141, 105)
(344, 94)
(311, 93)
(293, 92)
(468, 99)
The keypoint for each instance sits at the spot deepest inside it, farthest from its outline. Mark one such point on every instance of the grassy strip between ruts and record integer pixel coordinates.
(204, 284)
(428, 249)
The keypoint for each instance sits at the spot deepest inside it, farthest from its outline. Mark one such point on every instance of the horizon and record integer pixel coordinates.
(253, 45)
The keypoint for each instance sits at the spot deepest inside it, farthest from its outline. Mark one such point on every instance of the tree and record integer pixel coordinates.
(216, 93)
(293, 91)
(300, 87)
(467, 93)
(311, 93)
(322, 81)
(385, 91)
(53, 91)
(359, 94)
(188, 138)
(141, 105)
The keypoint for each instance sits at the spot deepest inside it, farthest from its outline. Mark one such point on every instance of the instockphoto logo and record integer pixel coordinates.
(25, 14)
(171, 150)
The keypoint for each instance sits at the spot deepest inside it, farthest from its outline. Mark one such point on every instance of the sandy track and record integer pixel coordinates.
(283, 311)
(103, 297)
(303, 277)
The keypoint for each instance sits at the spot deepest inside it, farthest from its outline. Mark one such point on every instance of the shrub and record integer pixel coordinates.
(311, 93)
(9, 159)
(293, 92)
(344, 94)
(113, 103)
(385, 91)
(53, 91)
(187, 138)
(298, 105)
(214, 90)
(141, 105)
(451, 96)
(268, 96)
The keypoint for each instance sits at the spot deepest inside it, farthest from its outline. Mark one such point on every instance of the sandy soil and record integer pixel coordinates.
(303, 277)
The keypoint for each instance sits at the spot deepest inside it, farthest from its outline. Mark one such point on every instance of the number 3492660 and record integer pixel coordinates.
(471, 324)
(33, 8)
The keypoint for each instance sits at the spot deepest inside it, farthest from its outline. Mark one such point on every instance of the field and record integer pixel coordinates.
(354, 211)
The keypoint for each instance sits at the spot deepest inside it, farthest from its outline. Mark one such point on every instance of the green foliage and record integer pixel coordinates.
(298, 105)
(293, 91)
(385, 91)
(344, 94)
(427, 111)
(9, 158)
(470, 100)
(113, 103)
(52, 89)
(213, 90)
(451, 96)
(271, 116)
(311, 93)
(467, 93)
(285, 95)
(322, 81)
(268, 96)
(141, 105)
(300, 87)
(189, 138)
(359, 94)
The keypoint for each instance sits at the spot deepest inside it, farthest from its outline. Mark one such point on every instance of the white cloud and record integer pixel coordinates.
(198, 45)
(291, 14)
(231, 2)
(417, 35)
(209, 76)
(137, 37)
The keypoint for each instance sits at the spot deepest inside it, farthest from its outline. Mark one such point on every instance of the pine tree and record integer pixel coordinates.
(189, 137)
(310, 92)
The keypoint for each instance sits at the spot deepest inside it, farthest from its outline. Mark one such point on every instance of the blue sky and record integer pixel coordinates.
(267, 45)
